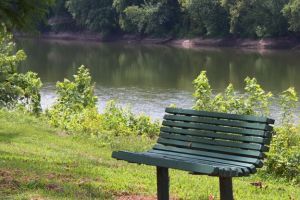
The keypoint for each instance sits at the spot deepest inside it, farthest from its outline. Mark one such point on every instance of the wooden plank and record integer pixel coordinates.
(211, 148)
(251, 167)
(161, 162)
(214, 128)
(211, 134)
(235, 170)
(226, 143)
(220, 115)
(231, 123)
(254, 161)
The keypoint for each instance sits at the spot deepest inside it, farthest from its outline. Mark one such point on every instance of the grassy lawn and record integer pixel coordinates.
(39, 162)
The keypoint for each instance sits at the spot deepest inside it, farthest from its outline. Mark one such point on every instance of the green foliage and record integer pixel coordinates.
(95, 15)
(292, 12)
(208, 14)
(241, 18)
(121, 121)
(23, 14)
(254, 101)
(75, 111)
(256, 18)
(16, 89)
(75, 101)
(284, 156)
(151, 18)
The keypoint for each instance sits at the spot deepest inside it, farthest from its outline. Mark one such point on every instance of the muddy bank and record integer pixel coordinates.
(259, 44)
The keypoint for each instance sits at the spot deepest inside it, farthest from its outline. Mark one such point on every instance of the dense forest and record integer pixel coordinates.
(177, 18)
(160, 18)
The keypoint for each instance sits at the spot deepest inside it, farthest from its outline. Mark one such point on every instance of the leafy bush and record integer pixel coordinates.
(16, 89)
(75, 111)
(75, 102)
(284, 156)
(254, 101)
(121, 121)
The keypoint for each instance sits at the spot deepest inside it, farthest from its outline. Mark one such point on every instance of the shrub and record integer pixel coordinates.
(75, 102)
(121, 121)
(284, 156)
(254, 101)
(16, 89)
(75, 111)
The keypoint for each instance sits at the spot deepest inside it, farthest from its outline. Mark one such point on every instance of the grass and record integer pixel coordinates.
(39, 162)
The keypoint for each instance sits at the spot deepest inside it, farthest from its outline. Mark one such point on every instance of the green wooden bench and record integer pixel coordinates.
(206, 143)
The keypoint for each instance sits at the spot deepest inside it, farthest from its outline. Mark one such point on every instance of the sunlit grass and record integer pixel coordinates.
(39, 162)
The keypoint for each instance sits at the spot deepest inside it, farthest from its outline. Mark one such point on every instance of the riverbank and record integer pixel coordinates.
(193, 43)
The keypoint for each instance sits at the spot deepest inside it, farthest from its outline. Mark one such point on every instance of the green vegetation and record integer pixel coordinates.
(39, 162)
(75, 111)
(284, 156)
(16, 89)
(23, 14)
(179, 18)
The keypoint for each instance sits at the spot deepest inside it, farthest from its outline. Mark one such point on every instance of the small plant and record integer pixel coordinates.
(75, 101)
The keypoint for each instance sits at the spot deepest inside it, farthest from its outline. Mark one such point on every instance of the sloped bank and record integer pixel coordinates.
(198, 42)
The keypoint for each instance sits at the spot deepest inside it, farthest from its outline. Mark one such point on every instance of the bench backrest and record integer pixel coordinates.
(241, 138)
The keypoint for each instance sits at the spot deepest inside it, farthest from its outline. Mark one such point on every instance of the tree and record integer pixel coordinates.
(292, 12)
(95, 15)
(152, 17)
(23, 14)
(210, 15)
(256, 18)
(16, 89)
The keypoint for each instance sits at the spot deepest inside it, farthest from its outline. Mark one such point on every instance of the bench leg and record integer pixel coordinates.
(162, 183)
(226, 188)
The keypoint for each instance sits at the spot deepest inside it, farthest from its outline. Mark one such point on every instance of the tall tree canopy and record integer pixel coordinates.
(23, 14)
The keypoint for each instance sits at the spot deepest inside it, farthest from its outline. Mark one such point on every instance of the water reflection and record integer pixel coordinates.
(152, 77)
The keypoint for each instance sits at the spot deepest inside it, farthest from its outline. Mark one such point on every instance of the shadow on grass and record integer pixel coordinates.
(7, 137)
(19, 173)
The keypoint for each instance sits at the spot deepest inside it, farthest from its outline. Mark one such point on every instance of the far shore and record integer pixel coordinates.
(190, 43)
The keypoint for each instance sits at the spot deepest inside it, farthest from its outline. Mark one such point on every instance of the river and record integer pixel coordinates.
(151, 77)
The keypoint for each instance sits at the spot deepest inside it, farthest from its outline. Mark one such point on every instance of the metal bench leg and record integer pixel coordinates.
(162, 183)
(226, 188)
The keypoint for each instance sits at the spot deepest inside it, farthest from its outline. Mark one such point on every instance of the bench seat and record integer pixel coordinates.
(192, 163)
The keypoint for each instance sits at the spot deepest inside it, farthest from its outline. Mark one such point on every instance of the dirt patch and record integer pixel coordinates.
(7, 180)
(140, 197)
(136, 197)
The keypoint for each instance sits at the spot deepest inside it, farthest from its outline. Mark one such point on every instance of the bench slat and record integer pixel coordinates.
(254, 161)
(163, 162)
(251, 167)
(215, 128)
(212, 148)
(218, 142)
(249, 118)
(211, 134)
(232, 169)
(231, 123)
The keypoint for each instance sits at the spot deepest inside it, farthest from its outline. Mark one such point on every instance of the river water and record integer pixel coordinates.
(151, 77)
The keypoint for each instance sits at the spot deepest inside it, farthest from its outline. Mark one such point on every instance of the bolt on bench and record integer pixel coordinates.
(206, 143)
